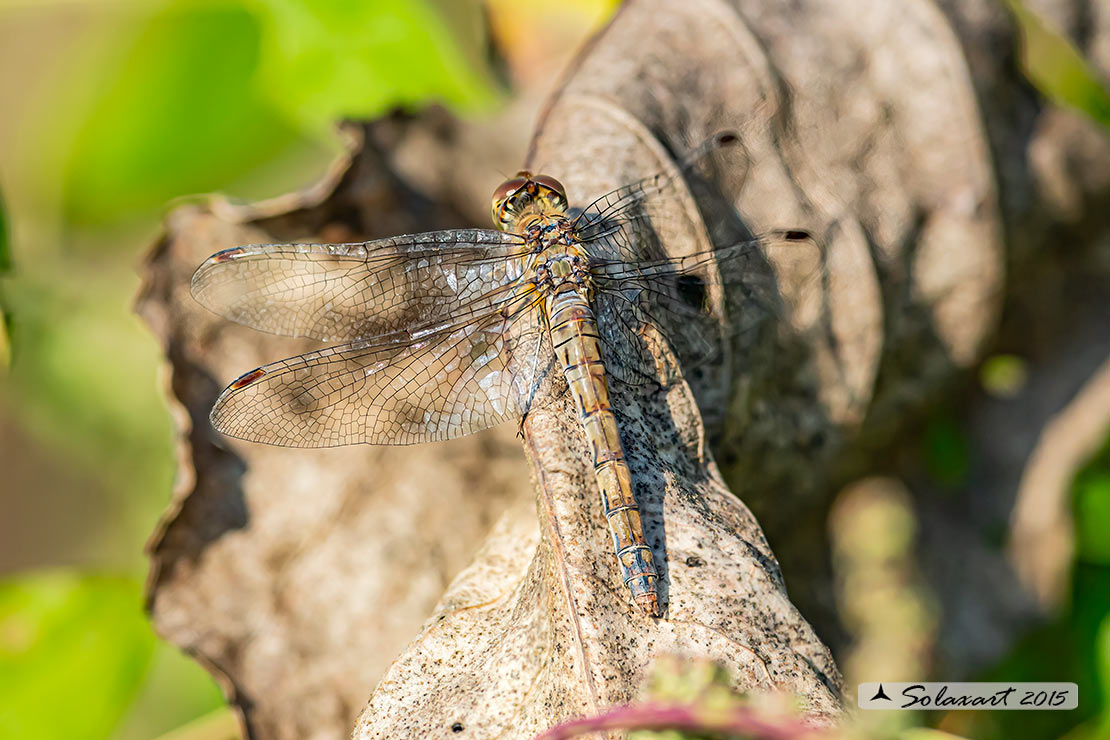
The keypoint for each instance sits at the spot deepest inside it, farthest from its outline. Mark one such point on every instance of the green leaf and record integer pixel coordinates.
(178, 112)
(1091, 491)
(5, 265)
(947, 450)
(179, 700)
(220, 724)
(1102, 667)
(322, 61)
(5, 341)
(73, 652)
(5, 240)
(926, 733)
(1057, 68)
(1003, 376)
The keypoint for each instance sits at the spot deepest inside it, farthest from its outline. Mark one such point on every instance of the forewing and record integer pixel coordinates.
(348, 292)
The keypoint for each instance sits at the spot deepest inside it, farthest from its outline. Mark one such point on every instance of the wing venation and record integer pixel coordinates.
(349, 292)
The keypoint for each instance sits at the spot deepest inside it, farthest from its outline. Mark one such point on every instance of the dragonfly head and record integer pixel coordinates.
(527, 195)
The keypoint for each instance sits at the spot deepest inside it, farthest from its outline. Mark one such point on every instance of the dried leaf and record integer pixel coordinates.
(296, 576)
(540, 627)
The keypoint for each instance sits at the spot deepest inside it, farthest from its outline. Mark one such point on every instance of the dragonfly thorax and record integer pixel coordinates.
(562, 272)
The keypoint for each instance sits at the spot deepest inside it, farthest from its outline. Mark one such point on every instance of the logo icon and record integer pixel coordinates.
(880, 694)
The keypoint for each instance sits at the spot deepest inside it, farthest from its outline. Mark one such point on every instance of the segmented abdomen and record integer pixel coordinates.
(577, 347)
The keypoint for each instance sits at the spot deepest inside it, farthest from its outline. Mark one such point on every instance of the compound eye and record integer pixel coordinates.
(551, 183)
(507, 188)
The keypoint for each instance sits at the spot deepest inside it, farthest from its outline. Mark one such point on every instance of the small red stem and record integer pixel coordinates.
(739, 722)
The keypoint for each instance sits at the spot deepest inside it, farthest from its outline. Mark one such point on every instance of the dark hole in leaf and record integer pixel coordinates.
(691, 289)
(457, 727)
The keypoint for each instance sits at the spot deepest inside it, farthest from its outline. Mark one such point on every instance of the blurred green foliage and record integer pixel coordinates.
(5, 265)
(947, 453)
(73, 653)
(204, 93)
(1099, 728)
(179, 113)
(1057, 68)
(321, 62)
(1092, 510)
(5, 238)
(1003, 376)
(5, 343)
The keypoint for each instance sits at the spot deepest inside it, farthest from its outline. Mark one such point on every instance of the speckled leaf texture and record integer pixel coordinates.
(467, 590)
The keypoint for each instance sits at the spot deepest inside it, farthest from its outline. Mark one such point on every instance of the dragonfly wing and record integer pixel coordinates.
(672, 295)
(624, 224)
(442, 386)
(347, 292)
(632, 342)
(636, 323)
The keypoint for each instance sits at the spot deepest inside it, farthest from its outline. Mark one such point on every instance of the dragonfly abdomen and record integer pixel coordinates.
(577, 346)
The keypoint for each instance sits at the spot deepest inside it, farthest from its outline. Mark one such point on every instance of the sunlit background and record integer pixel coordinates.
(112, 109)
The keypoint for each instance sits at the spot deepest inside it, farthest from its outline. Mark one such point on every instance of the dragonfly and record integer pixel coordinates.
(445, 333)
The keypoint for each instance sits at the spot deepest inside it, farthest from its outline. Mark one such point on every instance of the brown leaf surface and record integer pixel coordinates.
(552, 634)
